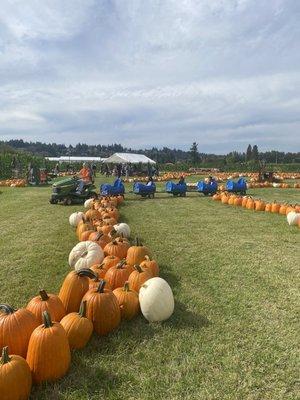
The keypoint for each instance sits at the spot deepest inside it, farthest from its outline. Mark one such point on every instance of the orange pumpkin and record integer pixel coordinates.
(151, 265)
(15, 377)
(136, 254)
(116, 276)
(128, 301)
(47, 302)
(74, 287)
(100, 238)
(102, 309)
(116, 248)
(138, 277)
(16, 327)
(48, 353)
(78, 328)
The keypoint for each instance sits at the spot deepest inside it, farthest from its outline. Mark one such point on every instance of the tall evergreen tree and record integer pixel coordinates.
(249, 153)
(194, 153)
(255, 153)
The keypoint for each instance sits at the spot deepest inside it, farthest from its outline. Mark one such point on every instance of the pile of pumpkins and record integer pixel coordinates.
(291, 211)
(110, 281)
(168, 176)
(13, 182)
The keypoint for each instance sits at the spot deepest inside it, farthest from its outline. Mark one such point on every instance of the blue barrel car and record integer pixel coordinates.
(237, 187)
(116, 189)
(144, 190)
(207, 188)
(177, 189)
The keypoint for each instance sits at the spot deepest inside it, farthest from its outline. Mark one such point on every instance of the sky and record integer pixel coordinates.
(144, 73)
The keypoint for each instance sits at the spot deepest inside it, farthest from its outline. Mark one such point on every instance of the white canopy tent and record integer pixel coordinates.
(129, 158)
(76, 159)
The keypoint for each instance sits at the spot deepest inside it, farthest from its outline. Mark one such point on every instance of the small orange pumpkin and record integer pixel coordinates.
(128, 301)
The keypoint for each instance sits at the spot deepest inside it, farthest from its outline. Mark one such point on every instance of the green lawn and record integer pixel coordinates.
(235, 277)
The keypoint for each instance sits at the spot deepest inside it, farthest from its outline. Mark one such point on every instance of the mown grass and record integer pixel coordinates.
(235, 277)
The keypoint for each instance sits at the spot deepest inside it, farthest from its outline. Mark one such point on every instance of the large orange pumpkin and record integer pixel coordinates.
(102, 309)
(16, 327)
(48, 353)
(74, 287)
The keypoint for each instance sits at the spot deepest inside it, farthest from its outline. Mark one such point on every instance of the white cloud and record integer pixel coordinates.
(165, 72)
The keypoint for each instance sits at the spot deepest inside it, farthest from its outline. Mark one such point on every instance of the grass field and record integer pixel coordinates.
(235, 277)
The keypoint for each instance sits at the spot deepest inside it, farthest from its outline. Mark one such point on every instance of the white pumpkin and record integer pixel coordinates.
(293, 218)
(85, 254)
(75, 218)
(122, 229)
(156, 300)
(276, 185)
(88, 203)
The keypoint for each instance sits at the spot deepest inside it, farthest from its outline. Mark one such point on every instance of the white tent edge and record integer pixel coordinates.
(129, 158)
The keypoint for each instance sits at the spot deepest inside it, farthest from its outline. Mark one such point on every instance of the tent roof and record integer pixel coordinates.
(125, 158)
(76, 159)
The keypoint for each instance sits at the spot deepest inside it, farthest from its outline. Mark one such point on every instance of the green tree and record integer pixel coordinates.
(249, 153)
(194, 153)
(255, 153)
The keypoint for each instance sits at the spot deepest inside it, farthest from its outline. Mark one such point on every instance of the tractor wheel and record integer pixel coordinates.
(93, 195)
(67, 201)
(53, 201)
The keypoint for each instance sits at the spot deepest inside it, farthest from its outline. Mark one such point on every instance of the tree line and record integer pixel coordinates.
(163, 155)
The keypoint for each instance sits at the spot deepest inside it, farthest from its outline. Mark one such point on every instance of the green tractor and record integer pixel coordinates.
(66, 191)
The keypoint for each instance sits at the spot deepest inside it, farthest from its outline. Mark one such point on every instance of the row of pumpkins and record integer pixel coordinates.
(167, 176)
(292, 212)
(111, 280)
(13, 182)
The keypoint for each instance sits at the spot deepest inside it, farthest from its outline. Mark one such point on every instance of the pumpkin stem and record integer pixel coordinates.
(121, 264)
(101, 286)
(126, 287)
(7, 309)
(5, 357)
(85, 253)
(86, 272)
(47, 319)
(138, 268)
(82, 309)
(44, 295)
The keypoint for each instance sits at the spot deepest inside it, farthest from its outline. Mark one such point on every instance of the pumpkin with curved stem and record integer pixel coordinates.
(85, 254)
(115, 248)
(74, 287)
(102, 309)
(282, 209)
(128, 301)
(136, 254)
(47, 302)
(15, 377)
(138, 277)
(48, 353)
(78, 328)
(151, 264)
(94, 283)
(156, 300)
(116, 276)
(99, 238)
(16, 327)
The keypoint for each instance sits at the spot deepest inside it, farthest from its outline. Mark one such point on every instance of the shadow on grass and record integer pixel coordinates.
(183, 318)
(167, 274)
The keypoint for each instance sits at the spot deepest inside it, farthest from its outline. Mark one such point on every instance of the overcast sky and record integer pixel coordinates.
(224, 73)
